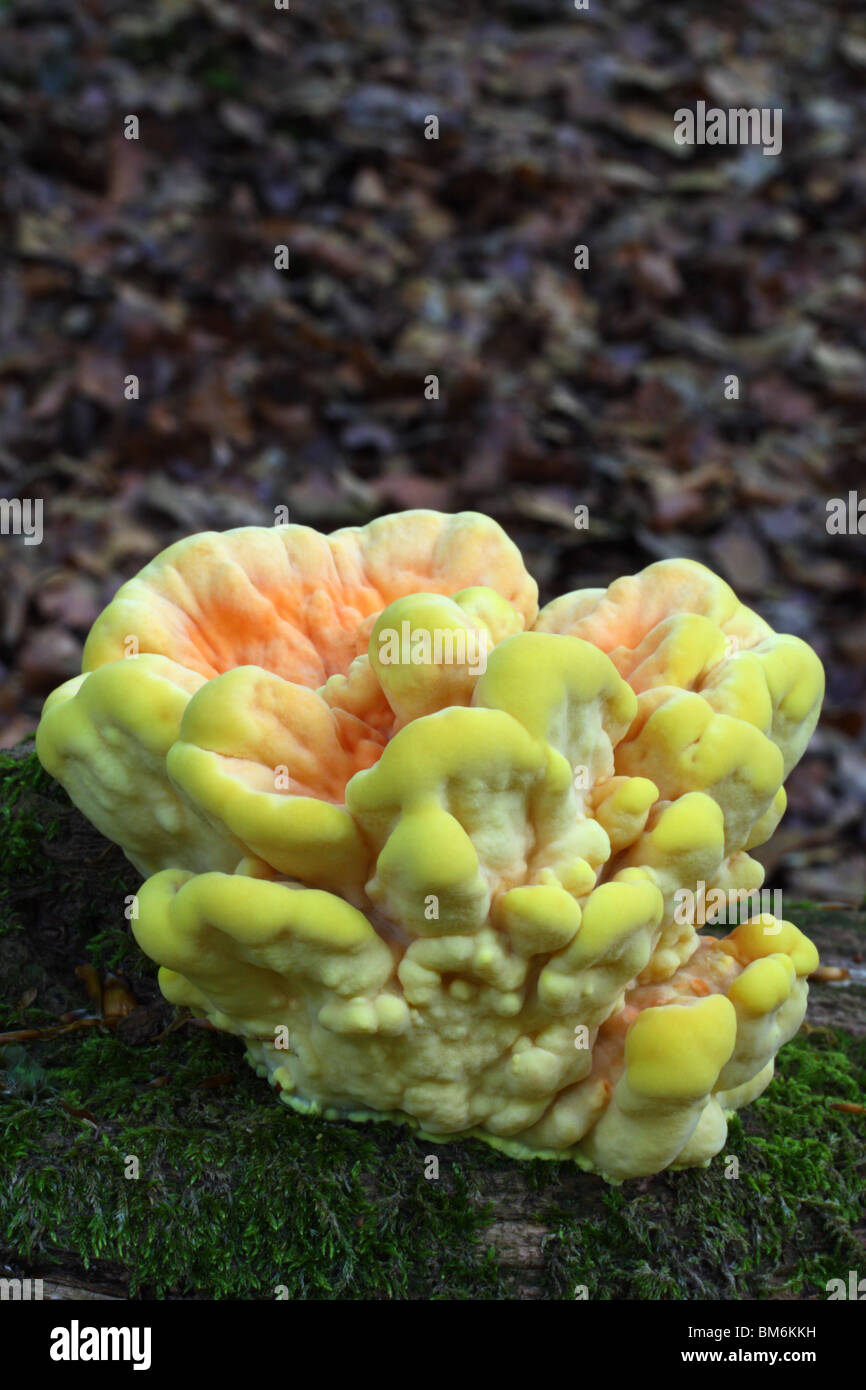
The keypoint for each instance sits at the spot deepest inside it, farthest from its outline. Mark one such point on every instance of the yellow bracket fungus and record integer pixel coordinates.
(423, 847)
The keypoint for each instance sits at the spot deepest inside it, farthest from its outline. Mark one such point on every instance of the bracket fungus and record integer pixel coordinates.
(423, 847)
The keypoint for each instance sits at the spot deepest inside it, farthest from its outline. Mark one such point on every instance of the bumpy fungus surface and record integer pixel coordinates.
(437, 886)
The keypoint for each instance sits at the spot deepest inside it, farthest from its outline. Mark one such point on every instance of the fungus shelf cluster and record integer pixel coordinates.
(444, 890)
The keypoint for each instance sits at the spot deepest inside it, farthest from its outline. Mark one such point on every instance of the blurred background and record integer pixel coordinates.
(558, 387)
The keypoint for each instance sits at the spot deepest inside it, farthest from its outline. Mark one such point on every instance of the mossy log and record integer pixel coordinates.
(141, 1157)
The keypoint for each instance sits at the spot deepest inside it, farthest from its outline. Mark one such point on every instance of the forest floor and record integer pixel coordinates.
(154, 259)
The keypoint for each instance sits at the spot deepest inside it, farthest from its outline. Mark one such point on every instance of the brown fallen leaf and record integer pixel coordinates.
(223, 1078)
(118, 999)
(826, 973)
(848, 1107)
(79, 1114)
(89, 977)
(53, 1031)
(49, 656)
(742, 559)
(69, 599)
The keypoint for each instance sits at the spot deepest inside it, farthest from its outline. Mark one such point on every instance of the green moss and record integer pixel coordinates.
(53, 866)
(235, 1197)
(24, 827)
(782, 1227)
(113, 948)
